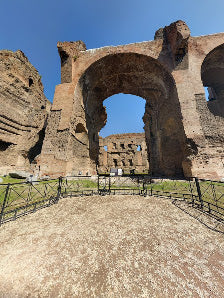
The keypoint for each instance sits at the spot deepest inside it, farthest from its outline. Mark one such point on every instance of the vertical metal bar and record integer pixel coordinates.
(214, 195)
(98, 184)
(4, 202)
(109, 184)
(209, 208)
(191, 190)
(66, 185)
(199, 191)
(29, 194)
(151, 186)
(143, 186)
(59, 189)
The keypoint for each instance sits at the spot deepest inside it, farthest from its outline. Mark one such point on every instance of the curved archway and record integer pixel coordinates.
(124, 114)
(212, 75)
(143, 76)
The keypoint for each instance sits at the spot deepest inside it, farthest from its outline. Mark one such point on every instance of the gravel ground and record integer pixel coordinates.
(111, 246)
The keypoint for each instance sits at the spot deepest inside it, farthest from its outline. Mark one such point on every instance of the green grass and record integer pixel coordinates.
(9, 179)
(212, 193)
(21, 195)
(78, 185)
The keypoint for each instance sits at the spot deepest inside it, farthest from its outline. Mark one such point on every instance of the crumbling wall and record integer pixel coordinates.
(22, 112)
(125, 151)
(168, 73)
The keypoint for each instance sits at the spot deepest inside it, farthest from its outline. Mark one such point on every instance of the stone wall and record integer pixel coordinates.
(23, 113)
(183, 133)
(125, 151)
(169, 73)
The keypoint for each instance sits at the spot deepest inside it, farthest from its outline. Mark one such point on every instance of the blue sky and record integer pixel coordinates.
(35, 26)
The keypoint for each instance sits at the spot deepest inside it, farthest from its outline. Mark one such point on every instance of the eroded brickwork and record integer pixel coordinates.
(125, 151)
(23, 113)
(183, 132)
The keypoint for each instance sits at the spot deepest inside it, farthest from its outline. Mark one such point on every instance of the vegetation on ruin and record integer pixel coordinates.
(75, 58)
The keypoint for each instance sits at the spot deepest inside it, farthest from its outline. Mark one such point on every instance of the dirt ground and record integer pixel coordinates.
(111, 246)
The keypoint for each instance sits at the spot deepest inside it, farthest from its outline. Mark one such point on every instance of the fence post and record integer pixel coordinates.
(143, 186)
(199, 191)
(192, 195)
(109, 184)
(4, 202)
(59, 188)
(98, 184)
(151, 186)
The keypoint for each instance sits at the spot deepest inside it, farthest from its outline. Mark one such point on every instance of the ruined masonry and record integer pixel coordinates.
(125, 151)
(184, 133)
(23, 113)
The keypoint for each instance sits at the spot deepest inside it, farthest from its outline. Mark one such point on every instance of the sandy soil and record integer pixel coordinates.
(111, 246)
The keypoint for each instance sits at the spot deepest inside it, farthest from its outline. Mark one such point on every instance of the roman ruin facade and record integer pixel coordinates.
(184, 133)
(125, 151)
(23, 113)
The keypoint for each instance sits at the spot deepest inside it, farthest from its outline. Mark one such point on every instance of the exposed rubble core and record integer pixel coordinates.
(126, 151)
(23, 112)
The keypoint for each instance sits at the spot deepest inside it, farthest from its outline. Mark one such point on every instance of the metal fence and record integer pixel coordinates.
(120, 185)
(78, 186)
(204, 194)
(22, 198)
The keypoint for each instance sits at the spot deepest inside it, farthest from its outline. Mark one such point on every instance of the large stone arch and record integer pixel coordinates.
(212, 75)
(143, 76)
(181, 128)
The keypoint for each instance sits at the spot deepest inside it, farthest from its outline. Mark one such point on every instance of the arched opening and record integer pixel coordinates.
(36, 149)
(123, 130)
(30, 82)
(124, 115)
(212, 75)
(139, 148)
(143, 76)
(80, 128)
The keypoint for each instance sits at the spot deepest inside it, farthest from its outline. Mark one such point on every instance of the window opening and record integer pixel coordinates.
(124, 115)
(4, 145)
(80, 128)
(30, 82)
(139, 148)
(115, 162)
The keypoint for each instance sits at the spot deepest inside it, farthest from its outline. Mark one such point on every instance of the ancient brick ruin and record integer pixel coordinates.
(23, 113)
(125, 151)
(184, 133)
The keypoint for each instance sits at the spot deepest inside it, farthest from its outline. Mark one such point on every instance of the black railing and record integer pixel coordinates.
(132, 184)
(204, 194)
(22, 198)
(78, 186)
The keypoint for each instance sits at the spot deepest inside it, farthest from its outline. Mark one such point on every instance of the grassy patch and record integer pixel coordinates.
(9, 179)
(26, 195)
(79, 184)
